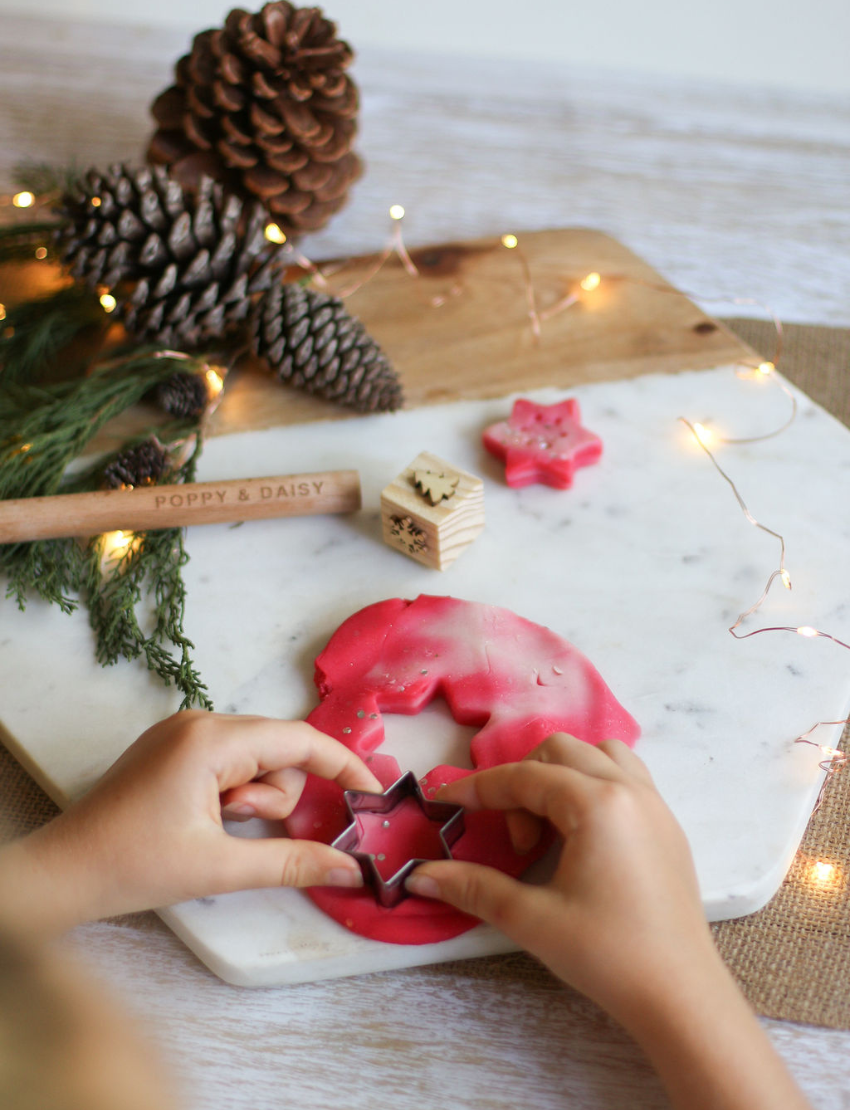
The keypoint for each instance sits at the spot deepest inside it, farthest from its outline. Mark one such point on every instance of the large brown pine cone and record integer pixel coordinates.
(311, 341)
(184, 270)
(265, 105)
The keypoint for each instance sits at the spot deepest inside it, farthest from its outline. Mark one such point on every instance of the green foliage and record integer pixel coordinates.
(35, 332)
(20, 241)
(45, 180)
(42, 430)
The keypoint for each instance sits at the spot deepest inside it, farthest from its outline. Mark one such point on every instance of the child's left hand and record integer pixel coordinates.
(150, 832)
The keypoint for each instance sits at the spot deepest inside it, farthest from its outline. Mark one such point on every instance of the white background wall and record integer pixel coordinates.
(803, 44)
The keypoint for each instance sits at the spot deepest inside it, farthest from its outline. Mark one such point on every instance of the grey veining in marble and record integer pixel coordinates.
(643, 565)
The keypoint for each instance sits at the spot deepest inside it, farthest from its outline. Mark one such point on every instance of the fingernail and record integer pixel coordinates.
(423, 885)
(242, 809)
(343, 876)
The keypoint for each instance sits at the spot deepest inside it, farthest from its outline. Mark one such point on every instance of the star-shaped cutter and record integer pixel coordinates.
(389, 892)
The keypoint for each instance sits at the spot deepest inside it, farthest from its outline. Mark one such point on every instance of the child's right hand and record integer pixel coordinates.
(624, 895)
(620, 919)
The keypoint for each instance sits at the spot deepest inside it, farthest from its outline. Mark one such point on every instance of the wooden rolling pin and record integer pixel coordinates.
(149, 507)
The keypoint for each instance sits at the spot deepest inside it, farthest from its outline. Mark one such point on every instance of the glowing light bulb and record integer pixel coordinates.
(703, 434)
(823, 873)
(510, 241)
(25, 199)
(116, 544)
(41, 253)
(96, 202)
(591, 282)
(2, 312)
(765, 369)
(215, 382)
(275, 234)
(108, 302)
(786, 578)
(396, 212)
(807, 630)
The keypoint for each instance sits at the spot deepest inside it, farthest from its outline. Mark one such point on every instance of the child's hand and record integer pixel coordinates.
(624, 893)
(620, 919)
(150, 832)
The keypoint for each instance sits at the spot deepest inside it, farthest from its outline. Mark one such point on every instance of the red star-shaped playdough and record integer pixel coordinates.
(542, 443)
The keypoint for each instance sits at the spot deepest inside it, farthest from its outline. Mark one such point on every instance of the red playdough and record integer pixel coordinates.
(516, 680)
(542, 443)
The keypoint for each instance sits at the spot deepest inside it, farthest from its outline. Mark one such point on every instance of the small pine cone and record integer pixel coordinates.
(311, 341)
(142, 465)
(185, 396)
(265, 105)
(184, 270)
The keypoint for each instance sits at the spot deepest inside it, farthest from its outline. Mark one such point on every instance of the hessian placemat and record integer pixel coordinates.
(792, 959)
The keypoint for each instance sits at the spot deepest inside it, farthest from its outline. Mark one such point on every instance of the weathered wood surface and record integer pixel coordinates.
(728, 193)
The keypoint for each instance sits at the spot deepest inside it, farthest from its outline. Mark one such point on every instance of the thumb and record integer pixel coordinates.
(279, 861)
(481, 891)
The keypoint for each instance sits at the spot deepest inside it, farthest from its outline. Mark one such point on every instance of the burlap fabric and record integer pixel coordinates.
(792, 959)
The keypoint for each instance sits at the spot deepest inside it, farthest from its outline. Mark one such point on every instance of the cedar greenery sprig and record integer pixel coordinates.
(152, 563)
(42, 430)
(36, 331)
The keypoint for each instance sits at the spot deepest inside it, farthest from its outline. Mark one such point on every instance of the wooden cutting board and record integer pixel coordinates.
(462, 329)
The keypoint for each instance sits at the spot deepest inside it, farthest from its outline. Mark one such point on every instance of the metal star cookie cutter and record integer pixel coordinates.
(389, 892)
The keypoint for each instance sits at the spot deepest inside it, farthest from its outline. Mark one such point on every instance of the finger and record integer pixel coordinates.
(279, 862)
(558, 793)
(262, 745)
(626, 759)
(273, 798)
(481, 891)
(568, 751)
(524, 830)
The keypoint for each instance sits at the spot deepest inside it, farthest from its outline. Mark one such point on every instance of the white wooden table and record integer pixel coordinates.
(731, 194)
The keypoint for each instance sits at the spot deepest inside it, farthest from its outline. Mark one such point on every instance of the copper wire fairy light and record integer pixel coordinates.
(702, 435)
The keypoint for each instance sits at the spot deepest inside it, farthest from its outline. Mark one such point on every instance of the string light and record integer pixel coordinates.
(591, 282)
(275, 234)
(108, 302)
(698, 432)
(215, 381)
(41, 253)
(396, 212)
(2, 312)
(95, 202)
(25, 199)
(704, 435)
(510, 241)
(117, 545)
(825, 874)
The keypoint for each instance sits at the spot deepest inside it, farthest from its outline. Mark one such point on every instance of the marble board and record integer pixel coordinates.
(643, 565)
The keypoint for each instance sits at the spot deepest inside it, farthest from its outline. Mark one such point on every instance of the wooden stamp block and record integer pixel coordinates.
(432, 511)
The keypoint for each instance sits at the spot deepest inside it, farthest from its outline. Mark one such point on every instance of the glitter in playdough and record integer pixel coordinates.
(488, 657)
(542, 443)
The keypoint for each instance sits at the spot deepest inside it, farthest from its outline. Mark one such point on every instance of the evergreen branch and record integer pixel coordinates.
(49, 569)
(156, 558)
(44, 428)
(43, 179)
(38, 330)
(114, 588)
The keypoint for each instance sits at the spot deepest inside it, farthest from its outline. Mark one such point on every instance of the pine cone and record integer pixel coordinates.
(265, 105)
(183, 269)
(142, 465)
(183, 395)
(310, 340)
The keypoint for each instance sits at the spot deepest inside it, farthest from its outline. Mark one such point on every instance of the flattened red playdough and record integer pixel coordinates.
(516, 680)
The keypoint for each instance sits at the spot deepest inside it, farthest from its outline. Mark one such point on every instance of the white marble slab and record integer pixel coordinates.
(643, 565)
